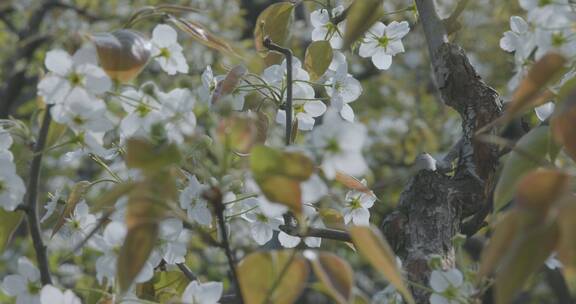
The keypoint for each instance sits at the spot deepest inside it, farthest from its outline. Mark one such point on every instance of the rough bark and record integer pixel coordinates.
(433, 205)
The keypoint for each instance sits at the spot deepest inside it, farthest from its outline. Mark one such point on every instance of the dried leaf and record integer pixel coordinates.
(122, 54)
(351, 182)
(229, 83)
(202, 35)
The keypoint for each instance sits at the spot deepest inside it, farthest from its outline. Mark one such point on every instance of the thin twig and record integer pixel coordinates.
(288, 55)
(325, 233)
(215, 197)
(31, 208)
(186, 271)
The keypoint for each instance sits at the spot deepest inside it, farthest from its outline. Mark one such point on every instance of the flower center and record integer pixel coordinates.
(164, 52)
(78, 120)
(332, 146)
(558, 40)
(261, 218)
(383, 41)
(143, 110)
(451, 292)
(33, 288)
(299, 108)
(75, 79)
(544, 2)
(355, 203)
(2, 186)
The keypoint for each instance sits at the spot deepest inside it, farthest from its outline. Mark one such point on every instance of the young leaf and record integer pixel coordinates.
(274, 22)
(374, 248)
(76, 195)
(9, 221)
(317, 58)
(229, 83)
(122, 54)
(351, 182)
(564, 121)
(146, 156)
(260, 272)
(335, 273)
(505, 231)
(134, 253)
(526, 255)
(239, 131)
(538, 190)
(530, 151)
(362, 15)
(567, 224)
(202, 35)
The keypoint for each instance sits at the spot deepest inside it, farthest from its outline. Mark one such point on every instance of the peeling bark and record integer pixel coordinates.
(433, 205)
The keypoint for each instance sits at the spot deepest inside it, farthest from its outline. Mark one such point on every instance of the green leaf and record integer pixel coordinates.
(239, 132)
(505, 231)
(526, 255)
(374, 248)
(9, 221)
(168, 285)
(260, 271)
(148, 157)
(567, 224)
(528, 155)
(362, 15)
(335, 273)
(274, 22)
(317, 58)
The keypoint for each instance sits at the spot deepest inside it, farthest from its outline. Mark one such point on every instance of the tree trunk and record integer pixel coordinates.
(433, 205)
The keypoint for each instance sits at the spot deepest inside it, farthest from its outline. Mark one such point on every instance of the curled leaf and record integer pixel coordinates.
(202, 35)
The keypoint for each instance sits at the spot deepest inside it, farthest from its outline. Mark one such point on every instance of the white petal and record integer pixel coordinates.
(347, 113)
(315, 108)
(164, 35)
(28, 270)
(360, 217)
(288, 241)
(382, 60)
(438, 299)
(114, 233)
(544, 111)
(261, 233)
(14, 284)
(518, 25)
(58, 62)
(210, 292)
(51, 295)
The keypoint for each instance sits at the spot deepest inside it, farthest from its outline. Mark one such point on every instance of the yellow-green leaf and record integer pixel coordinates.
(260, 271)
(374, 248)
(266, 161)
(529, 152)
(9, 221)
(274, 22)
(526, 255)
(505, 231)
(567, 224)
(146, 156)
(134, 253)
(317, 58)
(122, 54)
(335, 273)
(564, 120)
(362, 15)
(239, 132)
(538, 190)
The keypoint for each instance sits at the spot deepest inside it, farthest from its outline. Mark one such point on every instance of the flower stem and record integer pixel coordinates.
(31, 208)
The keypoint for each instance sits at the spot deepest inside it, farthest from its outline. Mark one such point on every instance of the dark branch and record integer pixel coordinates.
(31, 208)
(325, 233)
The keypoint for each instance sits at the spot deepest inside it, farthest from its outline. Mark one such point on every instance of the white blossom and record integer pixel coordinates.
(357, 205)
(53, 295)
(24, 285)
(382, 42)
(196, 206)
(202, 293)
(167, 51)
(449, 287)
(324, 29)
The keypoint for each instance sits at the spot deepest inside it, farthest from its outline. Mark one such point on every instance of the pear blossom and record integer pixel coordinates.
(520, 39)
(324, 29)
(167, 51)
(561, 41)
(209, 83)
(78, 225)
(357, 205)
(196, 206)
(382, 42)
(344, 88)
(177, 108)
(51, 205)
(143, 113)
(544, 111)
(12, 188)
(52, 295)
(262, 226)
(66, 73)
(202, 293)
(553, 13)
(174, 240)
(82, 113)
(340, 144)
(306, 108)
(449, 287)
(387, 296)
(24, 285)
(290, 241)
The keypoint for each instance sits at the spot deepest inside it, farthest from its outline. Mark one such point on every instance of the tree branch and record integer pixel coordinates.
(288, 55)
(215, 197)
(31, 207)
(325, 233)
